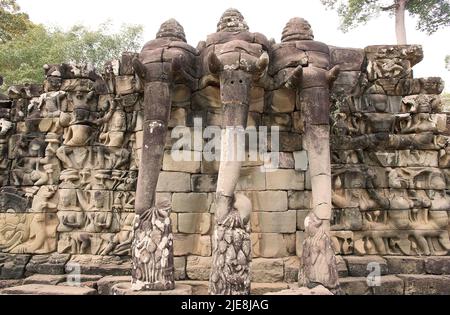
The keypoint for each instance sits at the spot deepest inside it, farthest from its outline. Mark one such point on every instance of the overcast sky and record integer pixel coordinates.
(199, 18)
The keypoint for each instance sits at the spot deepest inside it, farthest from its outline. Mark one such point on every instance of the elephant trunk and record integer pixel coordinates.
(157, 98)
(235, 97)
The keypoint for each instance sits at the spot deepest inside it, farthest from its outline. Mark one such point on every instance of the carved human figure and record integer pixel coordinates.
(78, 125)
(112, 125)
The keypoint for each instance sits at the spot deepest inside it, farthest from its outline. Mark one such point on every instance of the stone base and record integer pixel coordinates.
(125, 289)
(319, 290)
(44, 289)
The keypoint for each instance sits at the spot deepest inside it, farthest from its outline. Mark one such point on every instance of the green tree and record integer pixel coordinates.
(12, 21)
(21, 59)
(447, 62)
(431, 14)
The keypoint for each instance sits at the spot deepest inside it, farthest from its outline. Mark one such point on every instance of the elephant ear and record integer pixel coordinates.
(139, 68)
(214, 64)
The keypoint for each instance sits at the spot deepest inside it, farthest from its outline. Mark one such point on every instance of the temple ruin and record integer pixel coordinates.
(352, 168)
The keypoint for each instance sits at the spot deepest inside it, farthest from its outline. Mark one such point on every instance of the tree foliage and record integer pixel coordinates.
(431, 14)
(12, 22)
(447, 62)
(21, 59)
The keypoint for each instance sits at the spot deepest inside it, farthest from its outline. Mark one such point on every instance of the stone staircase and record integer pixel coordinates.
(399, 275)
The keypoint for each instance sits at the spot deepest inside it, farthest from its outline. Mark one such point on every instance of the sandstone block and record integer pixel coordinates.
(405, 265)
(291, 268)
(198, 287)
(361, 266)
(301, 216)
(180, 268)
(194, 223)
(191, 202)
(204, 183)
(285, 180)
(45, 279)
(283, 101)
(192, 244)
(105, 284)
(268, 201)
(173, 182)
(437, 265)
(251, 178)
(267, 270)
(274, 222)
(426, 284)
(300, 200)
(198, 268)
(267, 288)
(273, 245)
(301, 161)
(47, 264)
(389, 285)
(182, 161)
(42, 289)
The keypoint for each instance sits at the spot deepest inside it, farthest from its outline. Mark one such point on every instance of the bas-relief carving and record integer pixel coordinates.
(30, 233)
(73, 152)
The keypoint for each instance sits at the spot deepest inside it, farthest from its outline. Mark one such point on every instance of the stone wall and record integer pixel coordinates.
(70, 150)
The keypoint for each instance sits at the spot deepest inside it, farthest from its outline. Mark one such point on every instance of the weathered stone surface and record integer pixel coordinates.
(267, 270)
(426, 284)
(251, 178)
(437, 265)
(99, 265)
(319, 290)
(125, 289)
(273, 245)
(198, 287)
(360, 266)
(389, 285)
(348, 59)
(42, 289)
(89, 281)
(174, 182)
(45, 279)
(48, 264)
(274, 222)
(179, 264)
(192, 244)
(194, 223)
(10, 283)
(105, 284)
(191, 202)
(300, 200)
(341, 266)
(301, 161)
(204, 183)
(13, 266)
(268, 201)
(182, 161)
(198, 268)
(405, 265)
(291, 267)
(285, 179)
(283, 101)
(301, 216)
(267, 288)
